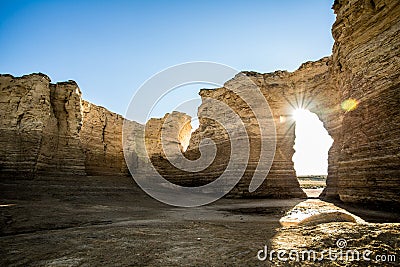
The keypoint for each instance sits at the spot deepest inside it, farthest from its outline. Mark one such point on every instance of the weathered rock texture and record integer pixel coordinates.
(101, 138)
(48, 129)
(366, 67)
(281, 180)
(40, 124)
(378, 238)
(172, 130)
(316, 211)
(308, 87)
(176, 128)
(364, 163)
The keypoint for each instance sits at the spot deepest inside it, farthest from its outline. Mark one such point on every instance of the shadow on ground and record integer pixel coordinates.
(110, 221)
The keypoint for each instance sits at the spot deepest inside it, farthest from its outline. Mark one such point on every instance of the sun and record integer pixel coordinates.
(299, 114)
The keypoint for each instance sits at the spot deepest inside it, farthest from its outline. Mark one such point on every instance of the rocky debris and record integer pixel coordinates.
(379, 242)
(313, 211)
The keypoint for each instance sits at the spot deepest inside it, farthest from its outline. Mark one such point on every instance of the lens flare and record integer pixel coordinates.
(299, 113)
(349, 104)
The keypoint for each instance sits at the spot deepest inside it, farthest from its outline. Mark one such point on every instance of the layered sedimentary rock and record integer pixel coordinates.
(355, 93)
(167, 133)
(365, 68)
(40, 124)
(22, 100)
(47, 129)
(308, 87)
(60, 146)
(101, 138)
(166, 142)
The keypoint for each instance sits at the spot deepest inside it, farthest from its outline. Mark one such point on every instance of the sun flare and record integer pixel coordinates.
(312, 143)
(299, 114)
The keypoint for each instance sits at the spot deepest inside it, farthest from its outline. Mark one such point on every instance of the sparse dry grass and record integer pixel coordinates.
(312, 182)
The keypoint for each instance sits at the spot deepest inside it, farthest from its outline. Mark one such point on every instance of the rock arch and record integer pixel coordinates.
(48, 129)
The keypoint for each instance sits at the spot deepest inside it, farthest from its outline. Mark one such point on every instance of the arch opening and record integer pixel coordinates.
(312, 143)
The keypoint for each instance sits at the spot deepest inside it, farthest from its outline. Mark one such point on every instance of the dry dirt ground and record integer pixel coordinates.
(109, 221)
(311, 186)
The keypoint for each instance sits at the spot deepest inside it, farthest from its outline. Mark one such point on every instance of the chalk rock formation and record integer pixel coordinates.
(167, 134)
(40, 124)
(366, 69)
(166, 141)
(101, 138)
(47, 129)
(308, 87)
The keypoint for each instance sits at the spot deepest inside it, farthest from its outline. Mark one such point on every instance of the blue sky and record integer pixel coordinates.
(111, 47)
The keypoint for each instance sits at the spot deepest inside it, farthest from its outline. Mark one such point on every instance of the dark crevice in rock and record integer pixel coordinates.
(19, 119)
(103, 133)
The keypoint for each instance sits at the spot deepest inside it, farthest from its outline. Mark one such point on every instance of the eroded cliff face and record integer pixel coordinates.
(366, 67)
(356, 95)
(21, 99)
(101, 138)
(308, 87)
(166, 141)
(170, 133)
(40, 124)
(47, 129)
